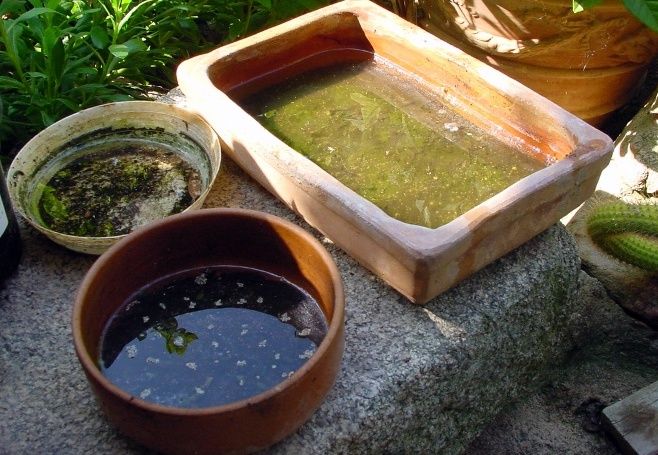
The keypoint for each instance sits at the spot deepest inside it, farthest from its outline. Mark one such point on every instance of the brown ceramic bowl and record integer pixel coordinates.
(200, 239)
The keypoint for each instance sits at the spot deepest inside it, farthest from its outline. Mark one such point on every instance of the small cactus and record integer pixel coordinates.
(626, 231)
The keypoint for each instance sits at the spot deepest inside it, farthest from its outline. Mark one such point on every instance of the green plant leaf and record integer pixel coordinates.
(120, 51)
(140, 6)
(265, 3)
(10, 6)
(646, 11)
(10, 83)
(99, 37)
(51, 36)
(31, 14)
(47, 118)
(36, 75)
(56, 59)
(580, 5)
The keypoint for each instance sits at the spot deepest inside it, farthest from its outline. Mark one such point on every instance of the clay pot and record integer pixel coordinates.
(417, 261)
(200, 239)
(589, 63)
(145, 122)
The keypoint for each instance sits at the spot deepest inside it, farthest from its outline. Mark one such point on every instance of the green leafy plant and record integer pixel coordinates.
(628, 232)
(61, 56)
(646, 11)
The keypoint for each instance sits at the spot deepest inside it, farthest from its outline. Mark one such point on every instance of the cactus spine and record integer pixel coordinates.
(628, 232)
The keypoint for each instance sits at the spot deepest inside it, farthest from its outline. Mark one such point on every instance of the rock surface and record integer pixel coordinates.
(633, 169)
(414, 379)
(619, 358)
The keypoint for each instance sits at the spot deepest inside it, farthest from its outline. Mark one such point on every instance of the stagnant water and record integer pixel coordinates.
(116, 186)
(210, 336)
(376, 130)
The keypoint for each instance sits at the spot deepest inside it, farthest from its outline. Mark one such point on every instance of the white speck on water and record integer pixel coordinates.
(216, 361)
(241, 381)
(201, 279)
(199, 390)
(241, 363)
(215, 344)
(218, 302)
(287, 374)
(162, 305)
(262, 343)
(211, 326)
(277, 356)
(304, 333)
(451, 126)
(244, 332)
(192, 305)
(187, 299)
(145, 319)
(144, 393)
(284, 317)
(131, 351)
(259, 300)
(240, 285)
(191, 365)
(273, 366)
(152, 360)
(307, 354)
(179, 341)
(131, 305)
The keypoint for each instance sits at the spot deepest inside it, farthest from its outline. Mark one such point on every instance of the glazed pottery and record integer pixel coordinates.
(197, 239)
(419, 262)
(144, 122)
(590, 63)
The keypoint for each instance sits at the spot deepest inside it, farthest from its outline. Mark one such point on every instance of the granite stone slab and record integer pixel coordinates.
(414, 378)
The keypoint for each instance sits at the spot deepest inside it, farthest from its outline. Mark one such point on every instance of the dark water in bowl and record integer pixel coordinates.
(210, 336)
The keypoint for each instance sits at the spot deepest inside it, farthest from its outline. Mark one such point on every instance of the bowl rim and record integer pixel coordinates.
(335, 324)
(143, 106)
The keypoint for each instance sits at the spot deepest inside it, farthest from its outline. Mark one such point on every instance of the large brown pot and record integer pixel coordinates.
(589, 63)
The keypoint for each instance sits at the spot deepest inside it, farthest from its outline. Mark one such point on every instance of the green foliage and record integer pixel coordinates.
(177, 339)
(60, 56)
(628, 232)
(646, 11)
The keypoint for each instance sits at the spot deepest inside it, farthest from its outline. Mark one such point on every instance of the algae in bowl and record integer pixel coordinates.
(97, 175)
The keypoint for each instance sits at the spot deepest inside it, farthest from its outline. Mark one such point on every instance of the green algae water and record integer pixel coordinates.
(116, 186)
(211, 336)
(376, 130)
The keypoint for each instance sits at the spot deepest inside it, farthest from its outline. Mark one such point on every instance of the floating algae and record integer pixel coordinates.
(117, 186)
(376, 130)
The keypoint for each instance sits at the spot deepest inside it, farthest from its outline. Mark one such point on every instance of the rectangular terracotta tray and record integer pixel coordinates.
(419, 262)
